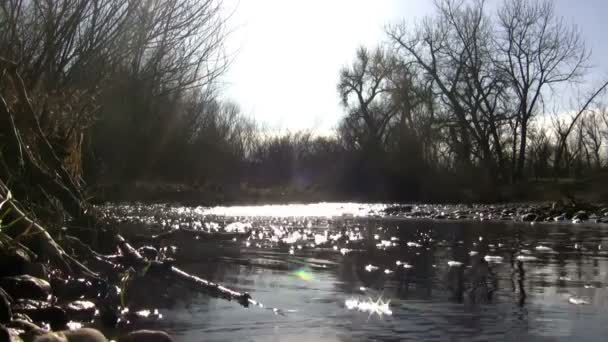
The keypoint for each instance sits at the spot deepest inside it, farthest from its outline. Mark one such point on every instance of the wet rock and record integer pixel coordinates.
(398, 209)
(13, 261)
(146, 336)
(418, 214)
(22, 316)
(41, 311)
(55, 316)
(5, 307)
(23, 325)
(529, 217)
(26, 286)
(37, 270)
(559, 218)
(143, 317)
(108, 316)
(80, 310)
(508, 212)
(580, 216)
(78, 335)
(148, 252)
(26, 305)
(75, 288)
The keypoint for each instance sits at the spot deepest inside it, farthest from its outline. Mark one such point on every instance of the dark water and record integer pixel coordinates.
(542, 282)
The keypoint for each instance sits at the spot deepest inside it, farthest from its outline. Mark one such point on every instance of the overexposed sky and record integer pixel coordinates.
(288, 53)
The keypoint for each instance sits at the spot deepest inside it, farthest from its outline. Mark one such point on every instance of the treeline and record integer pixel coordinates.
(127, 91)
(460, 106)
(462, 100)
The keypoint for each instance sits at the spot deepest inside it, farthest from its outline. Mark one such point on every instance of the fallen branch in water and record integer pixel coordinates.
(189, 234)
(134, 259)
(28, 228)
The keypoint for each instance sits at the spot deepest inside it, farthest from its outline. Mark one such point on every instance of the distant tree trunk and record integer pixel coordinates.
(522, 150)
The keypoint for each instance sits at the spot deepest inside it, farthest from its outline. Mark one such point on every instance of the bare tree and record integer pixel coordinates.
(454, 49)
(364, 89)
(593, 130)
(564, 128)
(537, 50)
(540, 153)
(62, 63)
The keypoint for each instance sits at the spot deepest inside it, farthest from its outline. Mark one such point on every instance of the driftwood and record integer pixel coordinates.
(134, 259)
(191, 234)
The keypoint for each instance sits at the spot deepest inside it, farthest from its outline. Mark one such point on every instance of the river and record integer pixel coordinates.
(340, 272)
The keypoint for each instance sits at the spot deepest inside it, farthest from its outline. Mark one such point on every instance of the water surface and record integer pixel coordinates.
(429, 280)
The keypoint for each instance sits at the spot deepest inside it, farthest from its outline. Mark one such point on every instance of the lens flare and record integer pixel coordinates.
(303, 274)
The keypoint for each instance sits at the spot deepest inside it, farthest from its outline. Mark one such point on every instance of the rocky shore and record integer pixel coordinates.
(37, 304)
(524, 212)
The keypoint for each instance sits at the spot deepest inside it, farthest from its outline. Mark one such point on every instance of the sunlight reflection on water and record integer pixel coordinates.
(448, 280)
(298, 210)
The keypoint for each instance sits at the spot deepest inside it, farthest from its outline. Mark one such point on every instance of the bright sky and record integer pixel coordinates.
(288, 53)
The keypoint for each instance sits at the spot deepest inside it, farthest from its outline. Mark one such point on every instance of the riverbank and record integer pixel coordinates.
(592, 189)
(194, 195)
